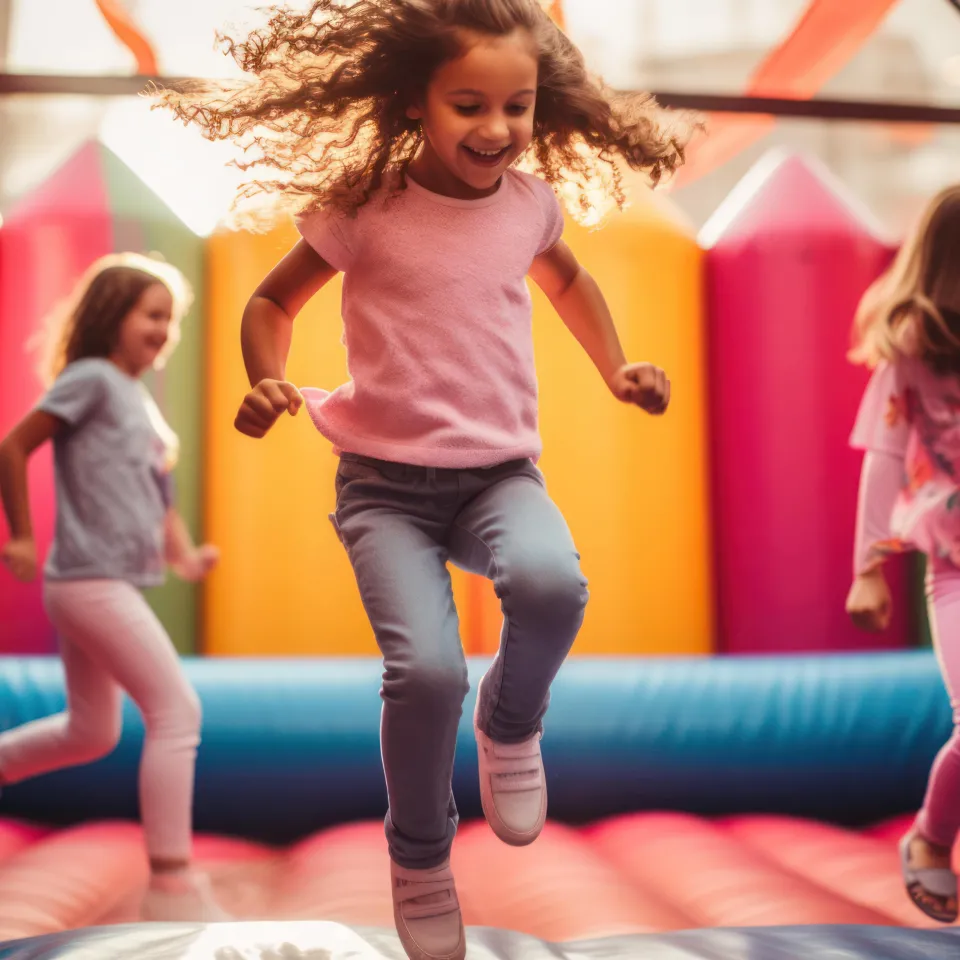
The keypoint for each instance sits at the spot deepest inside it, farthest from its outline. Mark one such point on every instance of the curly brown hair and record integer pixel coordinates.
(327, 110)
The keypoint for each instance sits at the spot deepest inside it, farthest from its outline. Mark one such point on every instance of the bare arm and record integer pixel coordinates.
(580, 304)
(267, 326)
(187, 561)
(15, 450)
(178, 544)
(265, 334)
(19, 553)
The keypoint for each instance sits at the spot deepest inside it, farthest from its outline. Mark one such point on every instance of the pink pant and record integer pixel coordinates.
(111, 641)
(939, 817)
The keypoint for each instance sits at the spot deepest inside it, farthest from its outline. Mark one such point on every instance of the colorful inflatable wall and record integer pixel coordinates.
(725, 526)
(93, 205)
(789, 256)
(633, 488)
(284, 585)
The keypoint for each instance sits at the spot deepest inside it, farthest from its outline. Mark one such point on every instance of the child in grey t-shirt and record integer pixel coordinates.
(116, 531)
(112, 483)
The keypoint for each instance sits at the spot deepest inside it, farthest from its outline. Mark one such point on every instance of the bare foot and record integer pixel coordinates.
(184, 896)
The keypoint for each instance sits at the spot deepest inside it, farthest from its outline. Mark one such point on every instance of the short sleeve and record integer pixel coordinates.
(552, 214)
(332, 235)
(883, 420)
(77, 392)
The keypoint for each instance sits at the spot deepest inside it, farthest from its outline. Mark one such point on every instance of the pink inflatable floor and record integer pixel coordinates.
(643, 873)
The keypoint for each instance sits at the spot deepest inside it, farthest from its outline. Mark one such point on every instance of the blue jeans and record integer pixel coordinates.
(400, 525)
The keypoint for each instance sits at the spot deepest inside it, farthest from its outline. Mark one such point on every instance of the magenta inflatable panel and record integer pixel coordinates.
(48, 239)
(789, 255)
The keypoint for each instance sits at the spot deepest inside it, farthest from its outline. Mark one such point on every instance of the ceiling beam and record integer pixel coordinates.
(813, 109)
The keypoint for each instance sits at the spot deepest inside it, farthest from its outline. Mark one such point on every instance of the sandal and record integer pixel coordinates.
(929, 887)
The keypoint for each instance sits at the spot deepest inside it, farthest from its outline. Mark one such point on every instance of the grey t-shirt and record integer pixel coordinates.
(112, 486)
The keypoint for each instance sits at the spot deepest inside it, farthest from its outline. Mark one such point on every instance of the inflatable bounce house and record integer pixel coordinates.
(730, 764)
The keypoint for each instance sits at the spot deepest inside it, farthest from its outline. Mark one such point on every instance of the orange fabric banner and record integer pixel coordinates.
(824, 40)
(555, 9)
(130, 35)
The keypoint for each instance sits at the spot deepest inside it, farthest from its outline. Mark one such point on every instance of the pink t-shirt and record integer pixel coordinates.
(437, 324)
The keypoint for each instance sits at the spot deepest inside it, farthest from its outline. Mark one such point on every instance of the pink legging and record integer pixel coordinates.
(110, 640)
(939, 818)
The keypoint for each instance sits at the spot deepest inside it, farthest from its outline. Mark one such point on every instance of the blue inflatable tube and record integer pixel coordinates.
(292, 746)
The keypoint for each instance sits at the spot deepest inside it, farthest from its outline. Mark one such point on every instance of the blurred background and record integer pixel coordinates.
(708, 46)
(691, 786)
(726, 527)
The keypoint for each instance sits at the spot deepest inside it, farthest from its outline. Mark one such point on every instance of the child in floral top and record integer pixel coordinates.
(908, 328)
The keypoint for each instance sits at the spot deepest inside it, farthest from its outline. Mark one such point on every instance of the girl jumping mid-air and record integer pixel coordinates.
(116, 529)
(908, 327)
(396, 127)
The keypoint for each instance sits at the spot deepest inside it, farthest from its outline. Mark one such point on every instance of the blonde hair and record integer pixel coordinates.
(913, 308)
(87, 322)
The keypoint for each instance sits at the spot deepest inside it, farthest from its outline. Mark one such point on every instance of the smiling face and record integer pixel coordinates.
(477, 118)
(144, 330)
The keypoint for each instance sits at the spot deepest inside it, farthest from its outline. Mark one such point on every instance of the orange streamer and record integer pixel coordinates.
(824, 40)
(130, 35)
(555, 9)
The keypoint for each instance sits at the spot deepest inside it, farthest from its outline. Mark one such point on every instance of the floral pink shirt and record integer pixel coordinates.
(912, 416)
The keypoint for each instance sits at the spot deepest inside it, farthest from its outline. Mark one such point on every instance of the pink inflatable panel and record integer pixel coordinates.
(788, 260)
(643, 873)
(48, 239)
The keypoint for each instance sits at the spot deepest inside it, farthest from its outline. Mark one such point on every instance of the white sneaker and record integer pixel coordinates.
(427, 913)
(513, 786)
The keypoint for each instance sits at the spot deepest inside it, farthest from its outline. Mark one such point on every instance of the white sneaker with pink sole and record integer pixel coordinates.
(427, 913)
(513, 786)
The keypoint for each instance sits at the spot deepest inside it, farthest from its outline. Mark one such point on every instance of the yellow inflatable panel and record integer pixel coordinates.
(634, 488)
(284, 585)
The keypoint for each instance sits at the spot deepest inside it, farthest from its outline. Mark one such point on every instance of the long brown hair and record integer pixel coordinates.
(87, 323)
(327, 111)
(913, 309)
